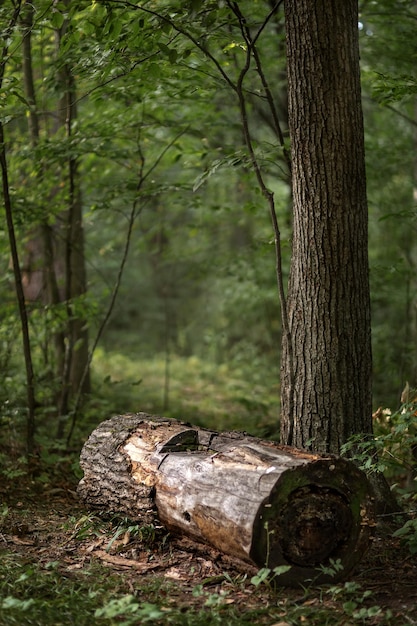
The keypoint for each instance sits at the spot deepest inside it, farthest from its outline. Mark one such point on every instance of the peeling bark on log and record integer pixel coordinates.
(255, 500)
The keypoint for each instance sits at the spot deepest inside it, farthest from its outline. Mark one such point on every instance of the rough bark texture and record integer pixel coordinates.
(326, 385)
(257, 501)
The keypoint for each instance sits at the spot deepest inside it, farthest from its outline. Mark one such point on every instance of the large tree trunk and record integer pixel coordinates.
(326, 371)
(262, 503)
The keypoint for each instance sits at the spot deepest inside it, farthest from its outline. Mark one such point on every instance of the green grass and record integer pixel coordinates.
(32, 594)
(49, 595)
(215, 396)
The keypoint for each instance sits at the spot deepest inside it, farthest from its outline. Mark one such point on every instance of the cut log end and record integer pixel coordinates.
(317, 525)
(316, 516)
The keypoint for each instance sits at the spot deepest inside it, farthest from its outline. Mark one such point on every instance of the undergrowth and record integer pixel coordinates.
(57, 590)
(51, 595)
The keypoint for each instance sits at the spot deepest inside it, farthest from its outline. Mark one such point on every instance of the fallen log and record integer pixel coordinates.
(255, 500)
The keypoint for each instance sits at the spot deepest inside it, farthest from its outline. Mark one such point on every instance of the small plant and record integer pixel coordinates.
(87, 526)
(4, 510)
(32, 593)
(335, 567)
(353, 599)
(13, 468)
(392, 449)
(408, 535)
(267, 575)
(130, 609)
(10, 602)
(211, 599)
(128, 530)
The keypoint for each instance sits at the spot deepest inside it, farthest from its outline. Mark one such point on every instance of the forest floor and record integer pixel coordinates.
(118, 573)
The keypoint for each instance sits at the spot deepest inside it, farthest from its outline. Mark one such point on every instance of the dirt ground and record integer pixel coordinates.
(43, 523)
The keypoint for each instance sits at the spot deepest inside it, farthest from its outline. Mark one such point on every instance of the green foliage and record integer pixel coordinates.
(334, 567)
(146, 131)
(408, 535)
(11, 469)
(267, 575)
(389, 82)
(223, 397)
(147, 535)
(43, 595)
(391, 450)
(389, 89)
(158, 138)
(129, 606)
(55, 589)
(355, 600)
(195, 331)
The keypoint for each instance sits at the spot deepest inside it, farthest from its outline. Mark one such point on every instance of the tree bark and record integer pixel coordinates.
(326, 371)
(262, 503)
(76, 374)
(55, 271)
(8, 209)
(40, 280)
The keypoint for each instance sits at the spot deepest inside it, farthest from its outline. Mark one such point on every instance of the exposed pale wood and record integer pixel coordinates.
(257, 501)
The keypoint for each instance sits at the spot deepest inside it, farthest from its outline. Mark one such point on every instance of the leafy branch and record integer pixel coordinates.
(252, 51)
(238, 88)
(135, 211)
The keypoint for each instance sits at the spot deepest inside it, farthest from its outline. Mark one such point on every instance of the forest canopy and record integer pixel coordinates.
(140, 143)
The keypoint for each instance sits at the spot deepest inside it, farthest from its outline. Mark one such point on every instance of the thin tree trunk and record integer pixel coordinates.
(30, 378)
(413, 303)
(42, 238)
(76, 362)
(329, 397)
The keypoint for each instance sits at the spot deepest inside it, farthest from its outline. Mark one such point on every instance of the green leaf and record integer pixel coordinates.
(170, 53)
(281, 569)
(350, 606)
(166, 51)
(173, 55)
(115, 28)
(15, 603)
(195, 6)
(261, 576)
(57, 19)
(118, 606)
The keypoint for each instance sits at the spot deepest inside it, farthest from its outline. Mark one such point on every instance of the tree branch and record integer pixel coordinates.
(251, 50)
(133, 214)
